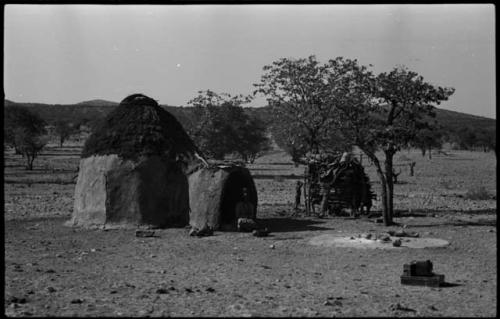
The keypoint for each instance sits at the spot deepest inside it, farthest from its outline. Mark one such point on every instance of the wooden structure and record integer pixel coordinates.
(336, 183)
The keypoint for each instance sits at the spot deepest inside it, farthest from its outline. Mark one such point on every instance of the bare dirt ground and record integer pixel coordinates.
(54, 270)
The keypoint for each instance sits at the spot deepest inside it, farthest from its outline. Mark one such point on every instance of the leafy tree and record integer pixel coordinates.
(486, 139)
(253, 141)
(343, 98)
(29, 144)
(288, 137)
(427, 139)
(401, 106)
(466, 138)
(470, 138)
(18, 117)
(298, 94)
(63, 130)
(381, 113)
(220, 126)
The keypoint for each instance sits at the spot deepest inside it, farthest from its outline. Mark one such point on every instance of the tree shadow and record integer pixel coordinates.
(425, 212)
(403, 183)
(269, 169)
(287, 224)
(459, 223)
(449, 284)
(276, 176)
(450, 222)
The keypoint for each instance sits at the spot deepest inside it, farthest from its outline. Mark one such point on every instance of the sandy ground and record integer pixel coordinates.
(62, 271)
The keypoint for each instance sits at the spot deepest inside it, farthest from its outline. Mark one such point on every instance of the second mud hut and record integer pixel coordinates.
(214, 192)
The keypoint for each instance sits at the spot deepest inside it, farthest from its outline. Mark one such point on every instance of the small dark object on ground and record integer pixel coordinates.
(246, 225)
(205, 231)
(373, 215)
(403, 234)
(260, 232)
(144, 233)
(419, 273)
(398, 306)
(384, 238)
(161, 291)
(418, 268)
(429, 281)
(397, 243)
(15, 299)
(77, 300)
(379, 220)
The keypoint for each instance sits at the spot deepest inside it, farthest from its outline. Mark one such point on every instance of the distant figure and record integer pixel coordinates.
(298, 193)
(324, 192)
(412, 167)
(244, 208)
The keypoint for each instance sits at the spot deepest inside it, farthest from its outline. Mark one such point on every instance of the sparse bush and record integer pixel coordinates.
(478, 193)
(63, 131)
(446, 184)
(279, 179)
(220, 127)
(404, 158)
(17, 118)
(29, 145)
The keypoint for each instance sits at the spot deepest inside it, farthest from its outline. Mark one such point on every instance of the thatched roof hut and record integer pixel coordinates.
(134, 167)
(214, 192)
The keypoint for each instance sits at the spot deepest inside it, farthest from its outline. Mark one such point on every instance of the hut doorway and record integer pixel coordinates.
(232, 193)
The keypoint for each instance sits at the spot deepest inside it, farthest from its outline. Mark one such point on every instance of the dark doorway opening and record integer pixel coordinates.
(232, 193)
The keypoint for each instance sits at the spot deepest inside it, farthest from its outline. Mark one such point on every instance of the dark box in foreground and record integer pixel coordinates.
(429, 281)
(419, 273)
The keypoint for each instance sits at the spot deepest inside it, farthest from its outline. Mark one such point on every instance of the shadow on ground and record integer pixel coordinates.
(431, 212)
(286, 224)
(464, 223)
(252, 169)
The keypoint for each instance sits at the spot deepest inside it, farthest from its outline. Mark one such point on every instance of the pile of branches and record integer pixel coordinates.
(338, 182)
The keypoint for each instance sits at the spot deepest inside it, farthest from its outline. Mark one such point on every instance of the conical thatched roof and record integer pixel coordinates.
(139, 126)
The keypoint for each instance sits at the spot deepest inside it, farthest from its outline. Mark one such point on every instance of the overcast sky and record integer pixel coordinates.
(70, 53)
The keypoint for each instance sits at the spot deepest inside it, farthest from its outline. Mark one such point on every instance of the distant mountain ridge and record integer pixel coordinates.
(97, 108)
(98, 102)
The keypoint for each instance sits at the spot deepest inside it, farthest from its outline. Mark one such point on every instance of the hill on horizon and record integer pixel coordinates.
(98, 102)
(94, 109)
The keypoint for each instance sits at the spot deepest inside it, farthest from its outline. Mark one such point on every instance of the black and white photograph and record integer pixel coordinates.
(250, 160)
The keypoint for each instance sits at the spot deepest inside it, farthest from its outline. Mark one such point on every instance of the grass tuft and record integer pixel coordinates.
(478, 193)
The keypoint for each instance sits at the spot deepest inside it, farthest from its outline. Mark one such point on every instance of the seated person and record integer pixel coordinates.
(244, 208)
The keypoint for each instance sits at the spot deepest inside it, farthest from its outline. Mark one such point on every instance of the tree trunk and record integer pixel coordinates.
(412, 166)
(306, 190)
(390, 187)
(430, 156)
(30, 158)
(324, 201)
(387, 217)
(383, 182)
